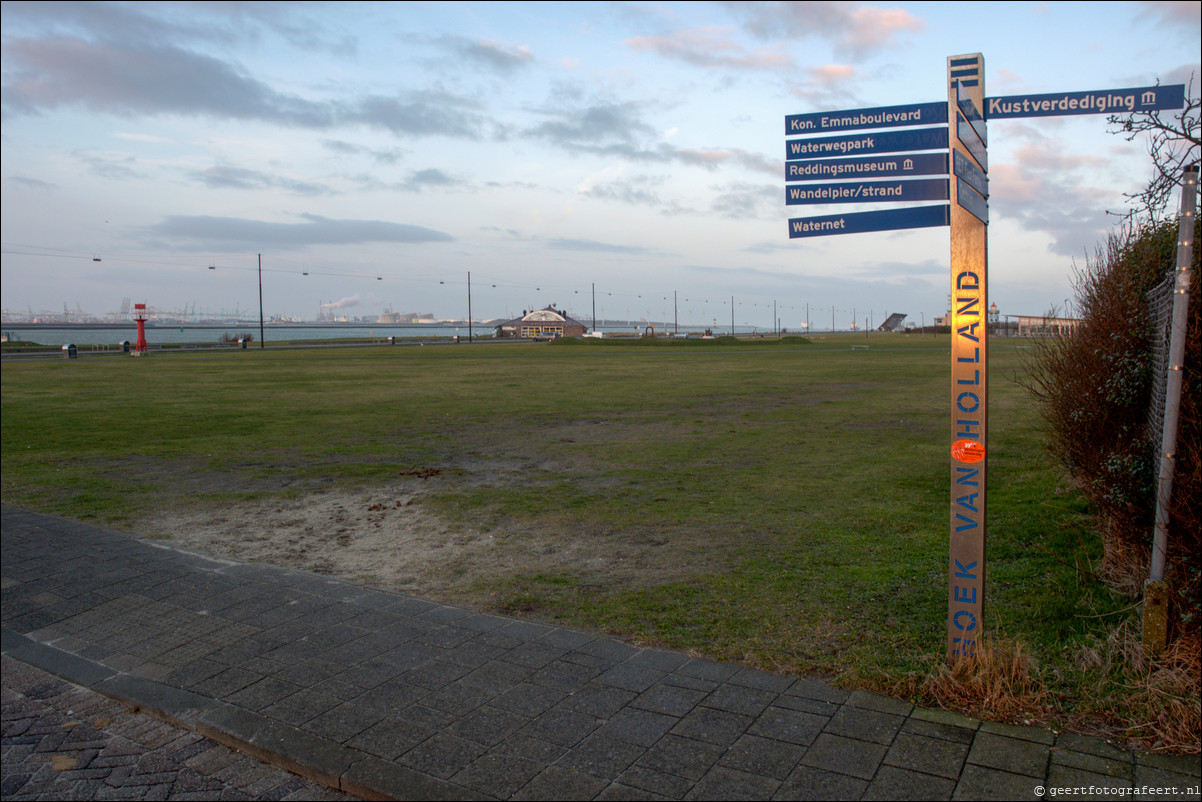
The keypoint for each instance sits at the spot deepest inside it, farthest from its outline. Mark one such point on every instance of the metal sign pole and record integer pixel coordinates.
(969, 263)
(1156, 592)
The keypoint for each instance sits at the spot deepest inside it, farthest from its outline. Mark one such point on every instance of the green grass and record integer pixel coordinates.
(797, 489)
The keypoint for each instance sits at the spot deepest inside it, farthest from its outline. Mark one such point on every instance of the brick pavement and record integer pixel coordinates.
(61, 741)
(385, 695)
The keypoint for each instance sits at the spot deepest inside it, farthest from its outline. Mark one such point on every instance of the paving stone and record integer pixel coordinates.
(443, 755)
(763, 756)
(601, 757)
(928, 755)
(981, 782)
(641, 727)
(683, 757)
(865, 724)
(791, 726)
(713, 726)
(845, 756)
(740, 699)
(498, 775)
(1018, 756)
(721, 783)
(560, 783)
(1090, 784)
(811, 783)
(487, 725)
(896, 783)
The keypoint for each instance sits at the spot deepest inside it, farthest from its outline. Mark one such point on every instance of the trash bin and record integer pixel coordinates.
(124, 346)
(70, 351)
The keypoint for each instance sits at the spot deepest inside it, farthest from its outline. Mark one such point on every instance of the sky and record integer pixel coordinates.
(625, 157)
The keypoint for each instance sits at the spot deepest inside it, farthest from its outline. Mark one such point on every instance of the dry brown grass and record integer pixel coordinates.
(1156, 704)
(1119, 695)
(1001, 683)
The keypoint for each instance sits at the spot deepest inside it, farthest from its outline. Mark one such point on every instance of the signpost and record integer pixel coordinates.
(970, 358)
(966, 185)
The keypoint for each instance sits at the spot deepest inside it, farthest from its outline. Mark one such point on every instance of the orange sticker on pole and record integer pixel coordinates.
(968, 451)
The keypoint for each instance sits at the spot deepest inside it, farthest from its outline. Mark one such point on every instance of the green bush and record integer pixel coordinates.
(1094, 389)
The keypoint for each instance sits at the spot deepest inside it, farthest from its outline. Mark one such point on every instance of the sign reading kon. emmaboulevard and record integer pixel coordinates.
(856, 119)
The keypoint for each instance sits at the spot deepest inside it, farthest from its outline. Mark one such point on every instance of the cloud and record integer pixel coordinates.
(421, 179)
(713, 159)
(741, 201)
(618, 131)
(113, 168)
(587, 127)
(233, 232)
(31, 183)
(223, 24)
(1178, 16)
(383, 156)
(853, 29)
(712, 47)
(45, 74)
(635, 191)
(590, 246)
(498, 57)
(243, 178)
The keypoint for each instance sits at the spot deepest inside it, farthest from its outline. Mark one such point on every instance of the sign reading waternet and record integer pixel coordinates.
(965, 139)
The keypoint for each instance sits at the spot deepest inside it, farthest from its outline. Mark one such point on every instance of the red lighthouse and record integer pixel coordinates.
(140, 346)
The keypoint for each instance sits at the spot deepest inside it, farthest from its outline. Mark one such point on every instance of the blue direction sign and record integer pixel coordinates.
(968, 138)
(970, 112)
(972, 175)
(862, 222)
(888, 142)
(968, 198)
(854, 119)
(923, 189)
(1098, 101)
(906, 164)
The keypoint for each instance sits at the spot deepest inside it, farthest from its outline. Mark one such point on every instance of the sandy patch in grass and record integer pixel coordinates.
(386, 537)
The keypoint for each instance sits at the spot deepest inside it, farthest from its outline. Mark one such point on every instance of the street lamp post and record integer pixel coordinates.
(261, 335)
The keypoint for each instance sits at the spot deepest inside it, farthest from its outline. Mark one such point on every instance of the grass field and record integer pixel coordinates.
(784, 503)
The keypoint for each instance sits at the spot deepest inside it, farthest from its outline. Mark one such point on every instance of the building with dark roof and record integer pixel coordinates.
(541, 322)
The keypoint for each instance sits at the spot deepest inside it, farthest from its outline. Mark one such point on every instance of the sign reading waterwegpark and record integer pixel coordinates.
(888, 142)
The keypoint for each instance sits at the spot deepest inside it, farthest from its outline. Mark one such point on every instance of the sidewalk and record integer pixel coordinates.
(382, 695)
(62, 741)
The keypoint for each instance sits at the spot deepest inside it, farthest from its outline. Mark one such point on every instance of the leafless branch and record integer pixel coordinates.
(1173, 144)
